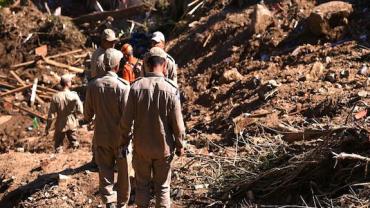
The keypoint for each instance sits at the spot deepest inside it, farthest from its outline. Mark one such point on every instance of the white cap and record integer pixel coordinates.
(112, 57)
(67, 77)
(158, 37)
(109, 35)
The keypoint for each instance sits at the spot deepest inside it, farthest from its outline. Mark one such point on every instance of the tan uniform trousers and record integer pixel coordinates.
(59, 137)
(161, 169)
(106, 158)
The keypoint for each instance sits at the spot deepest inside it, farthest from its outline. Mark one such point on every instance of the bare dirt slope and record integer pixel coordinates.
(267, 108)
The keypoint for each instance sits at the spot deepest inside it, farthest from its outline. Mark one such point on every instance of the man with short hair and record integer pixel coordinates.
(154, 110)
(66, 105)
(106, 98)
(158, 40)
(108, 40)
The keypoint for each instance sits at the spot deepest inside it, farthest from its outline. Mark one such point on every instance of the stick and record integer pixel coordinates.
(33, 93)
(6, 85)
(28, 111)
(343, 156)
(61, 65)
(54, 56)
(206, 42)
(15, 75)
(119, 14)
(47, 89)
(195, 8)
(16, 90)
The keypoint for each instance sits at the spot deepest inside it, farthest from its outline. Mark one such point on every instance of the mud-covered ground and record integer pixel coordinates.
(265, 113)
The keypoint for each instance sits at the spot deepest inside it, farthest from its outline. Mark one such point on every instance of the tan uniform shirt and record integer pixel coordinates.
(154, 108)
(106, 98)
(65, 105)
(171, 68)
(97, 63)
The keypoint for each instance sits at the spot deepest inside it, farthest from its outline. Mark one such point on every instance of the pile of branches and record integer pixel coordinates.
(312, 178)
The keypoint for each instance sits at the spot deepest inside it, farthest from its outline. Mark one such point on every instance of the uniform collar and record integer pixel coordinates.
(154, 74)
(112, 74)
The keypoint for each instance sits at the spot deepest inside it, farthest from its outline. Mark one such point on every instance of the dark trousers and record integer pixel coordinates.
(59, 138)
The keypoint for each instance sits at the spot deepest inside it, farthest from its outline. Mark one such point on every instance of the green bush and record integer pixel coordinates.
(5, 2)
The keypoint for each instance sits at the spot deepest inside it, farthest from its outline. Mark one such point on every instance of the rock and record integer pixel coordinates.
(261, 18)
(362, 94)
(268, 90)
(19, 149)
(63, 180)
(363, 70)
(231, 76)
(330, 19)
(316, 72)
(344, 74)
(331, 77)
(4, 119)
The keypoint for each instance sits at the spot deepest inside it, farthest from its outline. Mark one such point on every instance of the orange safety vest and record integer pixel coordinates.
(128, 72)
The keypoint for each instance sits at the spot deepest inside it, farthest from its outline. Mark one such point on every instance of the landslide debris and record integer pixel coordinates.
(262, 97)
(22, 29)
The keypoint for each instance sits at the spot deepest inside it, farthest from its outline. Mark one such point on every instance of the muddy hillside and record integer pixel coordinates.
(275, 97)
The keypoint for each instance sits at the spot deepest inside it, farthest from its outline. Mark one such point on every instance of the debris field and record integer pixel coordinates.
(275, 99)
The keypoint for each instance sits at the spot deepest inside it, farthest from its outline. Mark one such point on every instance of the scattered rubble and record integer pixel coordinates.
(261, 18)
(269, 107)
(331, 19)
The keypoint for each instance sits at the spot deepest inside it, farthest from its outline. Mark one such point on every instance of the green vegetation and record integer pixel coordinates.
(5, 2)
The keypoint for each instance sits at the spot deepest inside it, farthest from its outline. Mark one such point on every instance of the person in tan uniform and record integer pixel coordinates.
(158, 40)
(106, 98)
(154, 110)
(66, 105)
(108, 40)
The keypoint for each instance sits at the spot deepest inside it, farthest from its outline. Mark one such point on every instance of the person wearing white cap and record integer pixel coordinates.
(108, 40)
(65, 105)
(158, 40)
(106, 98)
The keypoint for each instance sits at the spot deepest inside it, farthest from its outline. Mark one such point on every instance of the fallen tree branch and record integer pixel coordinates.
(16, 90)
(39, 100)
(61, 65)
(36, 114)
(118, 14)
(53, 56)
(345, 156)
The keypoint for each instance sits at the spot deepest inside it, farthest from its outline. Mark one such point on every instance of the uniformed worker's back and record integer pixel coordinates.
(66, 101)
(106, 96)
(66, 104)
(154, 98)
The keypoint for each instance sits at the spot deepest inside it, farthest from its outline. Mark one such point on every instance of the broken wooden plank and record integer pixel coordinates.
(65, 66)
(16, 90)
(3, 84)
(53, 56)
(47, 89)
(36, 114)
(118, 14)
(33, 93)
(15, 75)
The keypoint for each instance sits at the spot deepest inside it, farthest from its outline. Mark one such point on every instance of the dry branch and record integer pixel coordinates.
(61, 65)
(16, 90)
(39, 100)
(54, 56)
(28, 111)
(119, 14)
